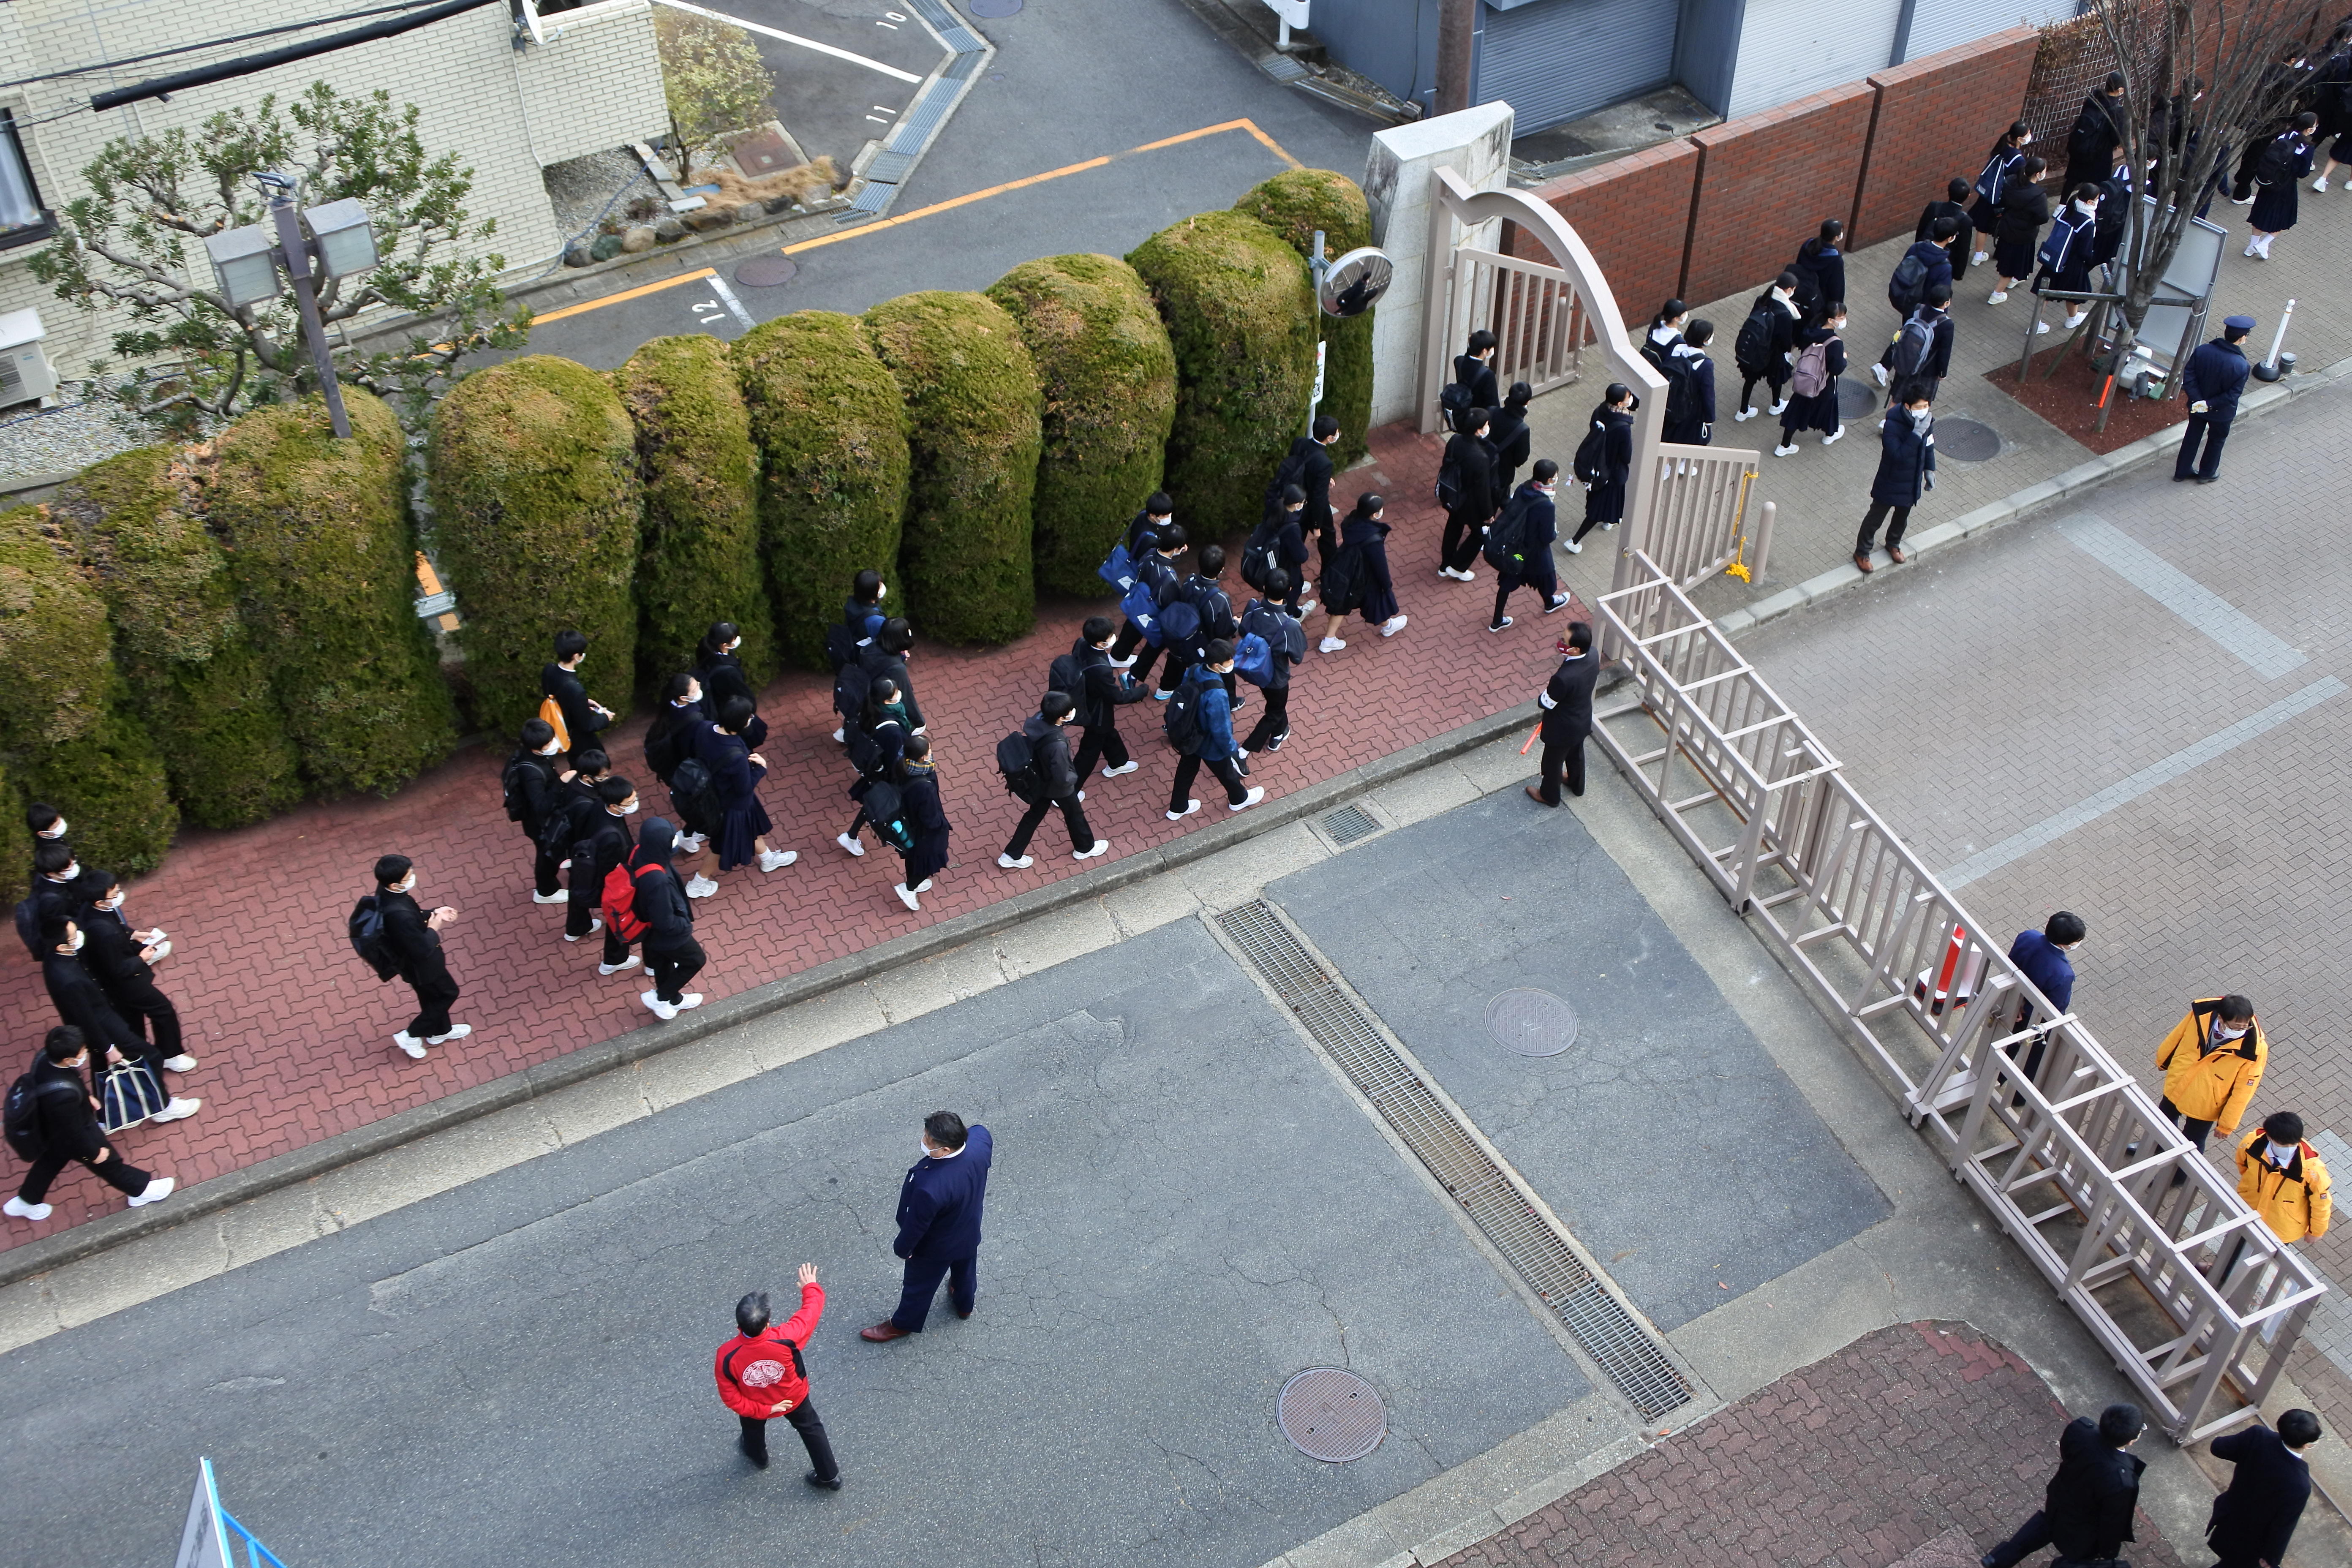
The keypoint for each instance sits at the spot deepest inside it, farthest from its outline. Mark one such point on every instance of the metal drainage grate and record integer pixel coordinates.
(1349, 824)
(1330, 1415)
(1617, 1344)
(1532, 1023)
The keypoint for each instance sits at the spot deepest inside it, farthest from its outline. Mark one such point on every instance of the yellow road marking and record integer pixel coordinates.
(540, 318)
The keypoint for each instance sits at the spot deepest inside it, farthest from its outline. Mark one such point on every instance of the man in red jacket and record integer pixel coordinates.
(760, 1375)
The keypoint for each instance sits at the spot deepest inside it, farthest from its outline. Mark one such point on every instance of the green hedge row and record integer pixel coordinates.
(1294, 203)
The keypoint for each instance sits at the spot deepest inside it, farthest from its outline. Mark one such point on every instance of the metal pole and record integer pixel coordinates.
(296, 255)
(2269, 360)
(1457, 24)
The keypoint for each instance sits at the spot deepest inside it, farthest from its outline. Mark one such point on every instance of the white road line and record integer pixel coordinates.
(727, 297)
(839, 54)
(2017, 845)
(2235, 631)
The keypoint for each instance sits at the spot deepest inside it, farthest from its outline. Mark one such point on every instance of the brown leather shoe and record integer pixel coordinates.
(883, 1333)
(1862, 563)
(964, 1314)
(1536, 795)
(1895, 553)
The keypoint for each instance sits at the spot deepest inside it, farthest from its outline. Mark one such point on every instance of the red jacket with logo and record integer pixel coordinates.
(757, 1370)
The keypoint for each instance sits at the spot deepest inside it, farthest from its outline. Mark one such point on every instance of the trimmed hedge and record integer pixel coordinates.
(1241, 315)
(1294, 203)
(535, 502)
(973, 434)
(1108, 377)
(698, 545)
(109, 782)
(324, 563)
(831, 431)
(16, 844)
(192, 669)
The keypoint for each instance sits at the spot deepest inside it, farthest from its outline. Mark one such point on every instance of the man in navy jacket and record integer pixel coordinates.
(2216, 375)
(2255, 1519)
(939, 1224)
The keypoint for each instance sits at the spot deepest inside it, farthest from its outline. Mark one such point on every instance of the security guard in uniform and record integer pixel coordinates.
(2215, 376)
(2212, 1060)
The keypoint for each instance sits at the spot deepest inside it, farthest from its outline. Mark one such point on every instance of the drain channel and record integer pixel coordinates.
(1351, 823)
(1598, 1321)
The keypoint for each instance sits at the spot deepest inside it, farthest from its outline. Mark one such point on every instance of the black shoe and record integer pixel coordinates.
(2208, 479)
(816, 1481)
(759, 1460)
(2180, 1178)
(1276, 744)
(2182, 479)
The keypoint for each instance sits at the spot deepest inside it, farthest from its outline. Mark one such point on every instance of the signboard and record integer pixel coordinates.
(2195, 264)
(1321, 355)
(203, 1543)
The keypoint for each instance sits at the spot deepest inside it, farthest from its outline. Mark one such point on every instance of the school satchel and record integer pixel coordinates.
(1343, 581)
(691, 789)
(510, 783)
(130, 1095)
(1258, 556)
(1141, 608)
(840, 645)
(1017, 761)
(22, 1121)
(1452, 402)
(1118, 569)
(365, 929)
(1253, 660)
(552, 711)
(1680, 394)
(2276, 164)
(1065, 676)
(886, 813)
(1809, 377)
(1180, 716)
(1914, 340)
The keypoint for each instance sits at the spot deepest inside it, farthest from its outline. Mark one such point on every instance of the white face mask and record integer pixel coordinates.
(115, 902)
(2282, 1154)
(2224, 1034)
(56, 829)
(70, 872)
(1920, 419)
(78, 938)
(549, 749)
(631, 809)
(733, 646)
(881, 593)
(926, 1148)
(407, 884)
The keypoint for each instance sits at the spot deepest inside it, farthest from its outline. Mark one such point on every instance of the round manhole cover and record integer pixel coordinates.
(766, 271)
(1330, 1415)
(1966, 441)
(995, 8)
(1532, 1023)
(1854, 399)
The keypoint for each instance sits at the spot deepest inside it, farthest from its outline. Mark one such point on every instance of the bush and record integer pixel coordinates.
(535, 502)
(1294, 203)
(1108, 377)
(972, 439)
(698, 545)
(831, 430)
(109, 782)
(16, 844)
(192, 670)
(1242, 319)
(325, 567)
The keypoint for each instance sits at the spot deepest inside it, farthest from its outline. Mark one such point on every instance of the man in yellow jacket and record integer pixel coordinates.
(2212, 1061)
(2281, 1179)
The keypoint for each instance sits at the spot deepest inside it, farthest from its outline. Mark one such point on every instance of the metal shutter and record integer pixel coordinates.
(1791, 47)
(1942, 23)
(1555, 60)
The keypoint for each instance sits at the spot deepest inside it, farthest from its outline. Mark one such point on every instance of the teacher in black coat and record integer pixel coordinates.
(2212, 382)
(1567, 705)
(940, 1206)
(2086, 1509)
(2255, 1519)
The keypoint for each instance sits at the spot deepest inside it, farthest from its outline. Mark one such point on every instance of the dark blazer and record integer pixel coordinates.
(2216, 377)
(659, 900)
(1137, 527)
(1479, 377)
(1906, 458)
(2089, 1501)
(2024, 210)
(2257, 1516)
(1963, 242)
(1314, 477)
(75, 992)
(1102, 690)
(2050, 970)
(604, 843)
(1473, 461)
(112, 957)
(417, 945)
(940, 1203)
(61, 1106)
(1050, 750)
(579, 719)
(878, 664)
(1567, 701)
(672, 738)
(1820, 276)
(1513, 443)
(1935, 259)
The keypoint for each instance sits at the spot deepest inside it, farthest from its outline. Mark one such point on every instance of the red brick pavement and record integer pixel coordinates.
(294, 1036)
(1858, 1459)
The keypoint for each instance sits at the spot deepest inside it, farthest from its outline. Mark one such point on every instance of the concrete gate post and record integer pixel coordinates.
(1475, 143)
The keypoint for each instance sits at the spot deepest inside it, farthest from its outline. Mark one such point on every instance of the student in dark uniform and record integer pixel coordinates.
(75, 992)
(1286, 645)
(1472, 462)
(2096, 133)
(533, 780)
(1813, 385)
(2215, 376)
(1820, 271)
(1308, 464)
(1761, 349)
(672, 955)
(1964, 239)
(1507, 434)
(2284, 161)
(122, 959)
(736, 770)
(66, 1114)
(1105, 689)
(1604, 481)
(2023, 212)
(1537, 525)
(414, 939)
(1158, 514)
(1364, 533)
(1697, 427)
(583, 715)
(2065, 256)
(1567, 703)
(1475, 369)
(918, 794)
(1906, 470)
(2001, 168)
(601, 846)
(2255, 1519)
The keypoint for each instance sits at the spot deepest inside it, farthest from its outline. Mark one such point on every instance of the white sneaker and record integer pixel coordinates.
(1499, 625)
(1023, 864)
(1608, 528)
(18, 1208)
(183, 1062)
(1467, 574)
(557, 897)
(1834, 437)
(456, 1032)
(1102, 846)
(1082, 794)
(1162, 696)
(692, 843)
(1558, 605)
(1305, 608)
(689, 1001)
(656, 1006)
(841, 736)
(564, 865)
(1127, 767)
(2245, 201)
(701, 887)
(411, 1043)
(924, 886)
(1190, 808)
(1978, 260)
(2075, 321)
(777, 860)
(1393, 625)
(155, 1191)
(1572, 546)
(608, 970)
(1878, 373)
(1127, 663)
(1779, 409)
(1789, 450)
(1996, 297)
(2320, 184)
(2040, 326)
(1744, 416)
(178, 1110)
(906, 897)
(1250, 799)
(595, 924)
(851, 845)
(1329, 645)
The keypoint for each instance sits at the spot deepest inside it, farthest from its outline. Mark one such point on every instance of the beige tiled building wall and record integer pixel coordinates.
(594, 83)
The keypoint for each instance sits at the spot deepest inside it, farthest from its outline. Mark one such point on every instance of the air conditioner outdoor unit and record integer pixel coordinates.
(26, 374)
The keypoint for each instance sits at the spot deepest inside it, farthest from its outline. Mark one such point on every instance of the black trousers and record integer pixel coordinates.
(1562, 761)
(1074, 817)
(1188, 768)
(1273, 723)
(1775, 379)
(435, 991)
(808, 1424)
(2213, 433)
(113, 1172)
(1873, 518)
(585, 896)
(616, 950)
(673, 967)
(1129, 641)
(1100, 743)
(1547, 585)
(922, 1283)
(1464, 535)
(2197, 1132)
(2031, 1537)
(149, 1011)
(545, 871)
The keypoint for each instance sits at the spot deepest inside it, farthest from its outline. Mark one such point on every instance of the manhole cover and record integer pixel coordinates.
(1532, 1023)
(766, 271)
(1854, 399)
(1330, 1415)
(993, 8)
(1966, 441)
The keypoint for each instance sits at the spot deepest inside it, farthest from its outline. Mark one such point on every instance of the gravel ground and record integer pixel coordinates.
(64, 440)
(579, 187)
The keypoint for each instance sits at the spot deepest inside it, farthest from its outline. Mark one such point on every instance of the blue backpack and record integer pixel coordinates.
(1140, 606)
(1180, 623)
(1253, 660)
(1118, 571)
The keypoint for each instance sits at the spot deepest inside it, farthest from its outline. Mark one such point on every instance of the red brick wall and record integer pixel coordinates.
(1634, 213)
(1937, 116)
(1766, 181)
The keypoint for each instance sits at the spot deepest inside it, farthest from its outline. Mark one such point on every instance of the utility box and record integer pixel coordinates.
(26, 374)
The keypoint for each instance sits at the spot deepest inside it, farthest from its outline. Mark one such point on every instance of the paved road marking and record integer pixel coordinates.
(541, 318)
(2017, 845)
(839, 54)
(2229, 627)
(734, 306)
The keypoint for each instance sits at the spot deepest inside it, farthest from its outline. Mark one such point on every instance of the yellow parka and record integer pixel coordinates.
(2207, 1085)
(2293, 1202)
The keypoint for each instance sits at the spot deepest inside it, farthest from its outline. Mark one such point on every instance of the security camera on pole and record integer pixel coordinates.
(341, 243)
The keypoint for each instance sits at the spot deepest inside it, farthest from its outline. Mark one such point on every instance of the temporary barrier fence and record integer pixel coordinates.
(1697, 518)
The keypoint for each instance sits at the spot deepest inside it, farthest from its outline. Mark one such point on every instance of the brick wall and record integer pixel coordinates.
(1936, 119)
(1634, 213)
(1767, 180)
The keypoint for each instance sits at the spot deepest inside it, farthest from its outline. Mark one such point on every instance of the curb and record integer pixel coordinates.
(577, 1066)
(2013, 508)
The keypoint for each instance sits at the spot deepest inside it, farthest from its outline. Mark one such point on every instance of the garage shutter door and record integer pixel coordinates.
(1555, 60)
(1790, 47)
(1943, 24)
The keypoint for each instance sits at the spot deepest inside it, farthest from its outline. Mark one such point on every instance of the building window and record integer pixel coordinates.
(22, 218)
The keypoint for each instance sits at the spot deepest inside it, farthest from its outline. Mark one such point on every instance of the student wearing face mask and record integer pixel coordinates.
(122, 959)
(51, 894)
(79, 1000)
(1813, 385)
(2066, 255)
(66, 1128)
(561, 688)
(2042, 957)
(672, 955)
(1528, 527)
(413, 938)
(47, 822)
(605, 844)
(1906, 470)
(675, 735)
(2283, 1178)
(1604, 459)
(532, 781)
(2212, 1061)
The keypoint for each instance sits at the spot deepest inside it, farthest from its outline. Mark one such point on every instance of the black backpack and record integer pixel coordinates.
(1343, 581)
(1258, 555)
(21, 1121)
(2275, 166)
(1016, 758)
(1452, 402)
(511, 782)
(1909, 284)
(561, 828)
(1592, 454)
(1449, 484)
(1063, 675)
(1752, 348)
(864, 750)
(850, 684)
(886, 813)
(1505, 550)
(1293, 470)
(1181, 715)
(1680, 394)
(840, 645)
(366, 931)
(690, 789)
(28, 927)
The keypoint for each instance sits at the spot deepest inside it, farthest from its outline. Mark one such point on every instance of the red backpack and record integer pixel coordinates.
(621, 900)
